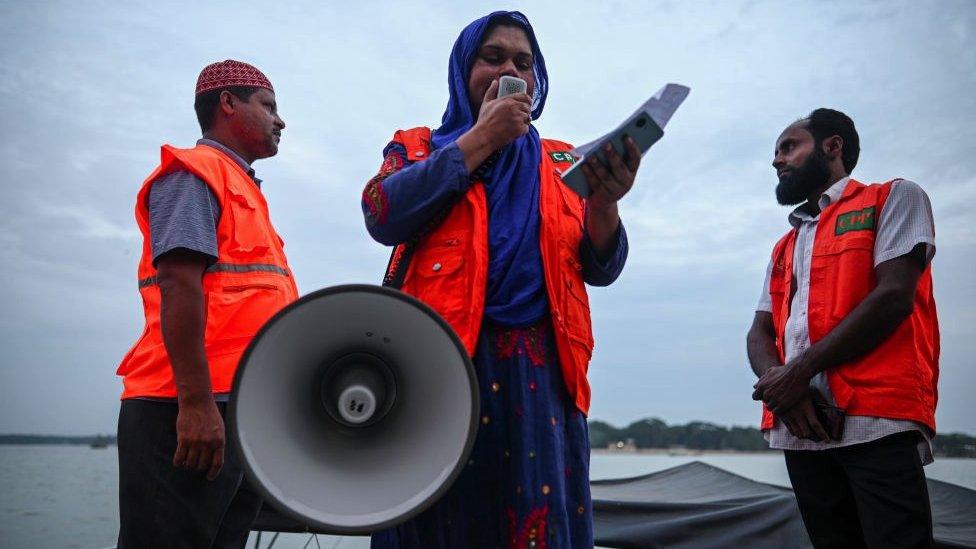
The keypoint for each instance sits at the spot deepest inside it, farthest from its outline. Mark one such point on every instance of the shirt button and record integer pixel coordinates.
(418, 153)
(437, 266)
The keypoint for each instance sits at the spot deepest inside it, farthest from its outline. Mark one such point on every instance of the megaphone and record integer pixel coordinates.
(354, 409)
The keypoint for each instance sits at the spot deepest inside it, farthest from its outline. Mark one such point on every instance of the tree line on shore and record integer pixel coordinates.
(91, 440)
(650, 433)
(653, 433)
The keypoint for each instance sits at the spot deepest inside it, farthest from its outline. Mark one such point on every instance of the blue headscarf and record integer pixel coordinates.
(516, 293)
(458, 117)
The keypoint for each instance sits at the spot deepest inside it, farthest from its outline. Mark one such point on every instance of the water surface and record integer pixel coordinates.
(66, 496)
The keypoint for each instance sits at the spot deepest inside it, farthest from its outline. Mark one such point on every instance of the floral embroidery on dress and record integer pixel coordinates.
(528, 341)
(527, 485)
(531, 534)
(374, 195)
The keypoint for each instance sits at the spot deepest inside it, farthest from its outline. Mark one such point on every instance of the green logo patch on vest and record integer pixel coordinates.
(857, 220)
(562, 156)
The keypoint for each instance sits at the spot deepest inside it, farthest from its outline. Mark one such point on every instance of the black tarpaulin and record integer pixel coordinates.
(697, 505)
(953, 514)
(701, 506)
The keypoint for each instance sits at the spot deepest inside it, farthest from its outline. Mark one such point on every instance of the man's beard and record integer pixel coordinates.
(797, 185)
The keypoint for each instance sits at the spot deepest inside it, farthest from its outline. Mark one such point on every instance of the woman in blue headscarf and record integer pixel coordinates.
(486, 233)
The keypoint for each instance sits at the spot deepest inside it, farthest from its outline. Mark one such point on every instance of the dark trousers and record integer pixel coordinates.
(866, 495)
(162, 506)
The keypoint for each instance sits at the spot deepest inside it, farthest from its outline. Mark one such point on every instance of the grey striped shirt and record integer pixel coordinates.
(183, 211)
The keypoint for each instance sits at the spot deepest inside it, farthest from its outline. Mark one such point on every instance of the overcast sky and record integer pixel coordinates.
(89, 90)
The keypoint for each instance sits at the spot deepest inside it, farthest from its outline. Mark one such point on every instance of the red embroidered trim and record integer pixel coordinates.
(373, 195)
(394, 265)
(532, 532)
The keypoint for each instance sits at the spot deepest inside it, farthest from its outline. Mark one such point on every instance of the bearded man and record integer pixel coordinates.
(845, 342)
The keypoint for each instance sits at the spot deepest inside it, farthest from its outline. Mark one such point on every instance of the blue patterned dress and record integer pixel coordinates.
(526, 483)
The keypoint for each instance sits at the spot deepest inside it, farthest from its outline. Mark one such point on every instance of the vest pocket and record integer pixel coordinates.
(250, 233)
(572, 203)
(437, 266)
(246, 287)
(777, 284)
(843, 267)
(435, 275)
(240, 309)
(441, 254)
(576, 305)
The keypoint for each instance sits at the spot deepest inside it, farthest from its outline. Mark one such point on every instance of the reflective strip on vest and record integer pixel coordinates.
(245, 268)
(226, 268)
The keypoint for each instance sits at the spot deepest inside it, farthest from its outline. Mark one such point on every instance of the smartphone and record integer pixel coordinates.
(507, 85)
(642, 129)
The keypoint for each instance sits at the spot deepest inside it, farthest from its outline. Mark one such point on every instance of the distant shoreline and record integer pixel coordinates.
(678, 452)
(695, 453)
(101, 441)
(57, 440)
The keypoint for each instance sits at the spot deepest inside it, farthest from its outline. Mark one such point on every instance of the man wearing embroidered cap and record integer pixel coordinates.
(212, 271)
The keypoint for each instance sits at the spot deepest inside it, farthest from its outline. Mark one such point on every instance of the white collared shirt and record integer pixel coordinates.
(905, 221)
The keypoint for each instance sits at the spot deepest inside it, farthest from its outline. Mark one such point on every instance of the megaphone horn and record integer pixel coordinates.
(354, 409)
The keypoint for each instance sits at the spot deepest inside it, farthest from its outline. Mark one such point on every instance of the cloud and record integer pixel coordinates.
(88, 223)
(88, 92)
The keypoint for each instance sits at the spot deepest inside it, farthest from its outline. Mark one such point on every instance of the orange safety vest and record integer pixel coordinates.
(248, 284)
(448, 269)
(896, 380)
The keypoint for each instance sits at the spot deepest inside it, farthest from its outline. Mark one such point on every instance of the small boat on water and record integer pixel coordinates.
(99, 443)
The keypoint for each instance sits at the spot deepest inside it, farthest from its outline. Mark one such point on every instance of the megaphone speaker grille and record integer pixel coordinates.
(389, 452)
(357, 404)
